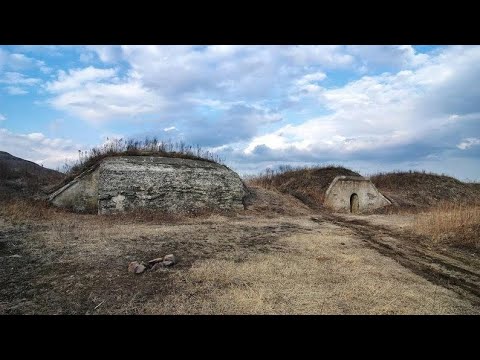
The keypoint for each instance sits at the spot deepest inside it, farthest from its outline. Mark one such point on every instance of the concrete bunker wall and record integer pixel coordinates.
(167, 184)
(80, 195)
(340, 191)
(122, 184)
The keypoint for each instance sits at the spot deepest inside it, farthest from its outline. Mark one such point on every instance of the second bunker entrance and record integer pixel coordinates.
(354, 194)
(354, 204)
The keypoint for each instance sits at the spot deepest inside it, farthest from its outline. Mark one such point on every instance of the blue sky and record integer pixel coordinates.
(371, 108)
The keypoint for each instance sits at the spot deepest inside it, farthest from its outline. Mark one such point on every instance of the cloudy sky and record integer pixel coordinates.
(370, 108)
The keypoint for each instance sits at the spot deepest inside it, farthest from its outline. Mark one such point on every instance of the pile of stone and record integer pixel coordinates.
(155, 264)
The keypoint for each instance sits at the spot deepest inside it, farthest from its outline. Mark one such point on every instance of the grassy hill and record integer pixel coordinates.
(421, 189)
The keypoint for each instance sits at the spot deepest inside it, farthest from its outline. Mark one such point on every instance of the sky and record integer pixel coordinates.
(369, 108)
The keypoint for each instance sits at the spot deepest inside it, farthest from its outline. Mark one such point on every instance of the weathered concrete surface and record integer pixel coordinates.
(168, 184)
(339, 194)
(80, 194)
(126, 183)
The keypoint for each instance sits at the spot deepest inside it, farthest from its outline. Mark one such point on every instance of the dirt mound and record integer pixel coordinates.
(308, 185)
(266, 202)
(418, 189)
(19, 177)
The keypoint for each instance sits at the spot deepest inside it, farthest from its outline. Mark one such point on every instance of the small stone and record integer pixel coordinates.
(168, 263)
(154, 261)
(140, 269)
(169, 257)
(136, 268)
(16, 256)
(158, 265)
(342, 243)
(132, 266)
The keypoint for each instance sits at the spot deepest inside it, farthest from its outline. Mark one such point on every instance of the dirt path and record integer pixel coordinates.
(452, 270)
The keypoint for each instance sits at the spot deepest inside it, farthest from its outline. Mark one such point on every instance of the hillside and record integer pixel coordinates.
(307, 184)
(420, 189)
(21, 177)
(405, 189)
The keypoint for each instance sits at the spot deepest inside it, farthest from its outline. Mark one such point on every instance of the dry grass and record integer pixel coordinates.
(23, 209)
(247, 264)
(252, 263)
(452, 224)
(317, 274)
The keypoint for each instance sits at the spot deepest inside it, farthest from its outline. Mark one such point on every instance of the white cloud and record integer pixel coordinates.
(468, 143)
(38, 148)
(75, 78)
(3, 117)
(106, 53)
(17, 61)
(376, 113)
(101, 101)
(398, 56)
(309, 78)
(15, 78)
(170, 128)
(98, 94)
(325, 55)
(176, 79)
(15, 90)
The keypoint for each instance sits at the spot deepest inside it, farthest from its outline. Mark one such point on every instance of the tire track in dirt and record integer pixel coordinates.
(440, 269)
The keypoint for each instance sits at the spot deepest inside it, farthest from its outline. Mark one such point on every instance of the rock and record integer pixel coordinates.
(132, 266)
(154, 261)
(136, 268)
(169, 257)
(158, 265)
(140, 269)
(168, 263)
(15, 256)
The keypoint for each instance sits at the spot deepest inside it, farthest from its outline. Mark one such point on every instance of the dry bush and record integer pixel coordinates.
(452, 224)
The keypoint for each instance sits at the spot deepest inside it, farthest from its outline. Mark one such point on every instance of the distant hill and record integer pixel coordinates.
(421, 189)
(19, 177)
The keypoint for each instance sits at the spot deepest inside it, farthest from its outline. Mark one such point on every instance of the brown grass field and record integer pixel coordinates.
(279, 256)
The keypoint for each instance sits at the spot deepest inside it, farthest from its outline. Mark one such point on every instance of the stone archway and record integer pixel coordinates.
(354, 204)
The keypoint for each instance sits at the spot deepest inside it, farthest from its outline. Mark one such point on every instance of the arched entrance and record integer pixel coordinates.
(354, 205)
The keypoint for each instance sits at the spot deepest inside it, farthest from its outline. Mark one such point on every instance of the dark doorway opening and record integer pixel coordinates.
(354, 204)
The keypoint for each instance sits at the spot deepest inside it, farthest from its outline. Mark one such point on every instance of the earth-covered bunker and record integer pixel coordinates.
(125, 183)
